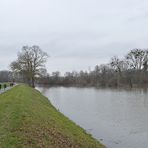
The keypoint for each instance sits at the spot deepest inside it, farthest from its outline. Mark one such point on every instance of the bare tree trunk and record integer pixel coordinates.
(33, 82)
(130, 83)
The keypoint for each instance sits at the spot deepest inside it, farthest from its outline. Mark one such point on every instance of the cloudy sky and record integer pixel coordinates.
(77, 34)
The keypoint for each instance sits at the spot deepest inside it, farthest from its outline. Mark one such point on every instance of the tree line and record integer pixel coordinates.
(29, 67)
(130, 71)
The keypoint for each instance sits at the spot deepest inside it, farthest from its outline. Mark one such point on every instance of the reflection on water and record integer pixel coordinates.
(118, 117)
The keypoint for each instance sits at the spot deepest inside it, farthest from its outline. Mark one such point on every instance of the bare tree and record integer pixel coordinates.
(136, 58)
(30, 61)
(117, 64)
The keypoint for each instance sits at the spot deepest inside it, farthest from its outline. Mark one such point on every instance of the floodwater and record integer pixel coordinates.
(118, 118)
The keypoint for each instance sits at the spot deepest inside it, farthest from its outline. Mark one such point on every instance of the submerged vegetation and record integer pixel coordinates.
(29, 120)
(130, 71)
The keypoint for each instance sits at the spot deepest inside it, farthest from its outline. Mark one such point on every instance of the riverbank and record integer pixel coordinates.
(109, 114)
(29, 120)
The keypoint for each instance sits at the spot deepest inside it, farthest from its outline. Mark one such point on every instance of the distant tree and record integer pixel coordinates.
(104, 69)
(56, 77)
(136, 58)
(29, 63)
(116, 64)
(119, 66)
(145, 63)
(5, 76)
(56, 74)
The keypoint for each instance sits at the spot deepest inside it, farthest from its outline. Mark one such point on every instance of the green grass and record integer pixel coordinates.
(28, 120)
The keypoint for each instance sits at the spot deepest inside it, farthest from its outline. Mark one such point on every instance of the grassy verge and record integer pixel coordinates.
(28, 120)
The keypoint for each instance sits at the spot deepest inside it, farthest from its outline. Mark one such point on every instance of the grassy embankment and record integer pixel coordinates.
(28, 120)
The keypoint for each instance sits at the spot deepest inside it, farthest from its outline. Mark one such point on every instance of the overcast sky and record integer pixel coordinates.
(77, 34)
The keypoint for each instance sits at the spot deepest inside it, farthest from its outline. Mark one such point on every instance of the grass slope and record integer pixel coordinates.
(28, 120)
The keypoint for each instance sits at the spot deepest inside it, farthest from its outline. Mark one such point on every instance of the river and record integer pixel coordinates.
(118, 118)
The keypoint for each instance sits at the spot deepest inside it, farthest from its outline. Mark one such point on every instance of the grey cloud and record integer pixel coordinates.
(76, 34)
